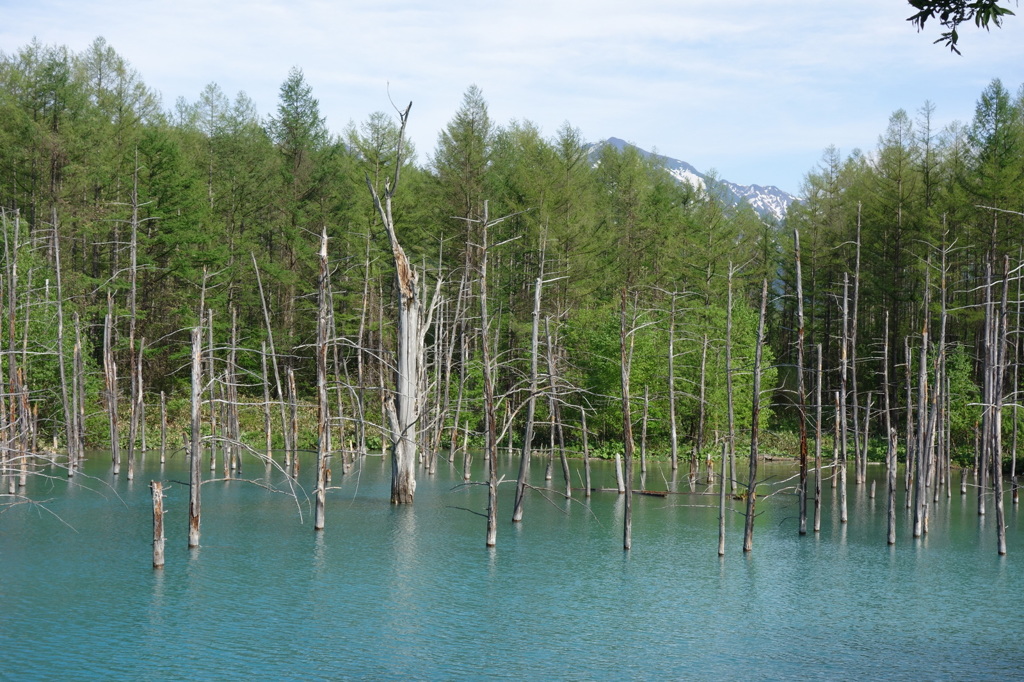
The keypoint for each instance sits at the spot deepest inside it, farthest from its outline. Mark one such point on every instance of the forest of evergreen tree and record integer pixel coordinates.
(128, 225)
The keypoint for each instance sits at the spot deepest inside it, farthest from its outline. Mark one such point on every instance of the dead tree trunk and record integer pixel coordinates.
(730, 404)
(721, 503)
(890, 459)
(890, 429)
(844, 350)
(323, 445)
(702, 404)
(800, 392)
(586, 452)
(755, 417)
(817, 445)
(163, 427)
(273, 361)
(69, 402)
(860, 458)
(133, 270)
(195, 480)
(110, 377)
(920, 487)
(212, 373)
(490, 420)
(626, 357)
(157, 488)
(672, 428)
(557, 432)
(293, 420)
(531, 401)
(404, 405)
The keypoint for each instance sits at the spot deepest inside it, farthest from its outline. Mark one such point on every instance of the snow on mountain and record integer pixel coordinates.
(766, 200)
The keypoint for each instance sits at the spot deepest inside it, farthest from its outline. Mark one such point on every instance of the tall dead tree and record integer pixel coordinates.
(110, 378)
(755, 418)
(403, 405)
(323, 445)
(923, 436)
(672, 427)
(844, 350)
(195, 475)
(817, 444)
(69, 401)
(626, 361)
(730, 404)
(135, 404)
(800, 392)
(531, 400)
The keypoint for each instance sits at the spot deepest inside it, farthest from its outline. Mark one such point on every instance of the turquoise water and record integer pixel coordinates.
(412, 593)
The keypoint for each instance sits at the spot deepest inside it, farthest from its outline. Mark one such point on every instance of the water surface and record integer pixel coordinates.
(412, 593)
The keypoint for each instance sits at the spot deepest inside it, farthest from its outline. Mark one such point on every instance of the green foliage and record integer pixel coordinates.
(964, 402)
(952, 13)
(84, 144)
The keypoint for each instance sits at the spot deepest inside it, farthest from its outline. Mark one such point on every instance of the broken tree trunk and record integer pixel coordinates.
(157, 489)
(404, 404)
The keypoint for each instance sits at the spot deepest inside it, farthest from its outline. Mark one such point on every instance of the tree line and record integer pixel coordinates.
(128, 225)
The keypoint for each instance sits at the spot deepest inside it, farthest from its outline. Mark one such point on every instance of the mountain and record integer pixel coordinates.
(767, 201)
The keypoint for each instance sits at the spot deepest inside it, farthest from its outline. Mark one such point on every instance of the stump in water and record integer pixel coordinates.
(158, 523)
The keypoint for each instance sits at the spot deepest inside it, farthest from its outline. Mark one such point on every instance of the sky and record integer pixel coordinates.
(753, 89)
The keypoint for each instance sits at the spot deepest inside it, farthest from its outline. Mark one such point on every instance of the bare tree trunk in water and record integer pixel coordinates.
(801, 393)
(721, 503)
(643, 430)
(110, 375)
(890, 429)
(586, 453)
(273, 361)
(136, 378)
(625, 361)
(843, 370)
(755, 416)
(531, 402)
(556, 409)
(323, 444)
(921, 479)
(69, 402)
(490, 425)
(163, 427)
(817, 447)
(157, 489)
(860, 458)
(672, 427)
(212, 373)
(195, 480)
(909, 436)
(730, 405)
(293, 422)
(890, 459)
(999, 325)
(403, 408)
